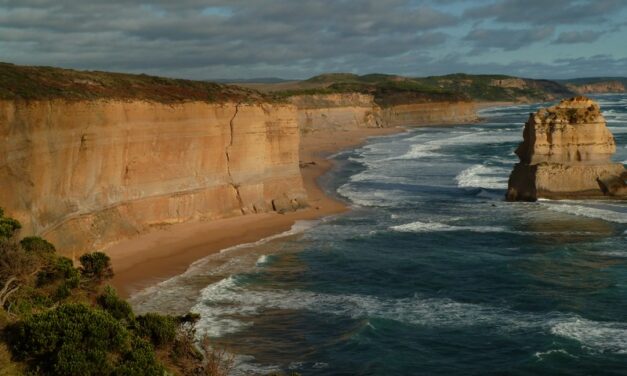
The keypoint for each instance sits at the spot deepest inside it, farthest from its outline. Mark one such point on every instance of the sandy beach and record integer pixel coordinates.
(156, 256)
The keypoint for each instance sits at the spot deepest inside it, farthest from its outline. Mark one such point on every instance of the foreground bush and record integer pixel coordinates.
(56, 319)
(76, 339)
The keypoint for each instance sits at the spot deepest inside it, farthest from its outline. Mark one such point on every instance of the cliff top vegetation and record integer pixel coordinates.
(394, 89)
(42, 83)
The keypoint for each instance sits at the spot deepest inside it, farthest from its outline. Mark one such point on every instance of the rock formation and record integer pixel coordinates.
(86, 173)
(566, 153)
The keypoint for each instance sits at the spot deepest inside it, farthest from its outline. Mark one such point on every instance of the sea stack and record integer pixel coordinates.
(566, 153)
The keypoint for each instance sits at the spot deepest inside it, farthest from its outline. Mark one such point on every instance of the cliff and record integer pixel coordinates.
(566, 152)
(598, 87)
(323, 112)
(86, 173)
(89, 158)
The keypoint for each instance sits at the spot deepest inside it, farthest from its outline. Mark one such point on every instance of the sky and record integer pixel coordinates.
(294, 39)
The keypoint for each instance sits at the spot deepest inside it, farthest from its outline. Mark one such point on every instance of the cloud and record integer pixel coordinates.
(543, 12)
(571, 37)
(293, 39)
(187, 34)
(507, 39)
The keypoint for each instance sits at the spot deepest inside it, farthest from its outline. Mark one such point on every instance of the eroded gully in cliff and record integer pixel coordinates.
(228, 161)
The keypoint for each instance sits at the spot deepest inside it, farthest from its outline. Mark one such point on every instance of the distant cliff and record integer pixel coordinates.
(597, 85)
(320, 112)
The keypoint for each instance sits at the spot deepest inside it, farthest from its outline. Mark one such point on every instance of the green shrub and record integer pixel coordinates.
(96, 266)
(118, 308)
(76, 339)
(73, 339)
(139, 361)
(59, 268)
(8, 226)
(37, 244)
(159, 329)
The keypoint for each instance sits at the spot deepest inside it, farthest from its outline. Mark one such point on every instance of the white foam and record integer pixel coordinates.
(262, 260)
(588, 211)
(542, 354)
(419, 227)
(481, 176)
(418, 151)
(223, 302)
(604, 336)
(369, 197)
(621, 254)
(152, 298)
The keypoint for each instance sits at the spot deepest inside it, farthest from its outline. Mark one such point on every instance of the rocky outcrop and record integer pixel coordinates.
(354, 110)
(566, 153)
(87, 173)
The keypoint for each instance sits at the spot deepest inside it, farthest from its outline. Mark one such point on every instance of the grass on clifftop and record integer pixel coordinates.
(387, 90)
(41, 83)
(391, 89)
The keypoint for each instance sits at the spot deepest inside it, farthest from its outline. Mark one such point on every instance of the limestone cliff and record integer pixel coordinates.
(86, 173)
(336, 111)
(598, 87)
(354, 110)
(566, 152)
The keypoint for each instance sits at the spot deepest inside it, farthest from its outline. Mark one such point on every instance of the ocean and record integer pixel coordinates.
(430, 273)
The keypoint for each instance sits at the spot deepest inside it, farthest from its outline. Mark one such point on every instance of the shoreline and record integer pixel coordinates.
(156, 256)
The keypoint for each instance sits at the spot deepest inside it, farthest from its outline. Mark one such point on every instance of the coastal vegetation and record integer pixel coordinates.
(393, 90)
(58, 319)
(46, 83)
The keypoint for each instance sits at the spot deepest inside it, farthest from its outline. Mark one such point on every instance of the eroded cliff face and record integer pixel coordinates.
(85, 174)
(598, 87)
(566, 152)
(429, 113)
(353, 110)
(336, 112)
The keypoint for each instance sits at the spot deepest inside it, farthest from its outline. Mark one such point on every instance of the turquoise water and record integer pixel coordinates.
(431, 273)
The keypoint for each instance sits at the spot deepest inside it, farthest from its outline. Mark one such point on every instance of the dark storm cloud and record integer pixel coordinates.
(571, 37)
(508, 39)
(552, 12)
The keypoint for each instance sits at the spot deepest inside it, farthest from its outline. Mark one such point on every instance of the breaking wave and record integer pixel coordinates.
(224, 305)
(588, 211)
(481, 176)
(435, 227)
